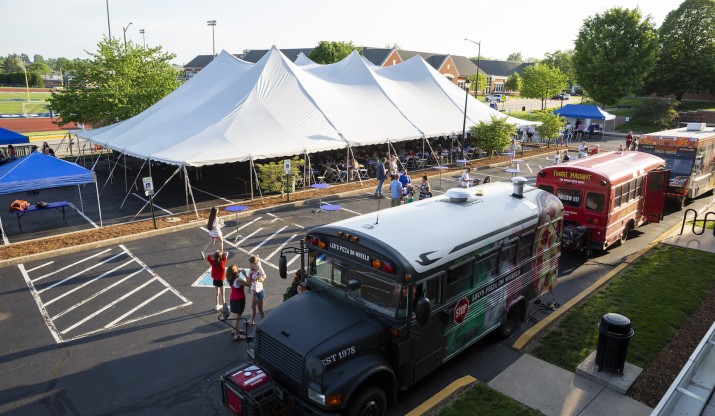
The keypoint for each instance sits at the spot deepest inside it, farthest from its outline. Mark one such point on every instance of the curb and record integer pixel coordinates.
(529, 334)
(432, 402)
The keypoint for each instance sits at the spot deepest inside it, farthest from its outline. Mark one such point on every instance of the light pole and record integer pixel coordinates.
(109, 28)
(464, 123)
(212, 23)
(125, 33)
(479, 54)
(143, 38)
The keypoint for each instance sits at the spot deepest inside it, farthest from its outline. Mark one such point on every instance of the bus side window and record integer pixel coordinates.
(595, 202)
(526, 245)
(639, 186)
(632, 194)
(656, 182)
(487, 267)
(507, 256)
(625, 196)
(429, 290)
(459, 279)
(617, 199)
(547, 188)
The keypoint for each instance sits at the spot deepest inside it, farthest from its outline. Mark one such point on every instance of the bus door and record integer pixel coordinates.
(656, 185)
(428, 339)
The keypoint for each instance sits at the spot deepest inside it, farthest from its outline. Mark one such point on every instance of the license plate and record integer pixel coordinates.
(278, 392)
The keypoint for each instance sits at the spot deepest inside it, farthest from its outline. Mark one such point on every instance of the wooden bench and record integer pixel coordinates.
(60, 206)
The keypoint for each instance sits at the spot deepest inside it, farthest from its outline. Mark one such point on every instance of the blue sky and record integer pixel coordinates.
(70, 27)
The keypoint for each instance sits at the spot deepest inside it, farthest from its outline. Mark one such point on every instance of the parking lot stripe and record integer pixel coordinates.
(80, 272)
(157, 277)
(528, 166)
(72, 265)
(248, 236)
(40, 266)
(45, 316)
(77, 305)
(83, 216)
(108, 306)
(268, 239)
(146, 302)
(281, 246)
(50, 302)
(4, 237)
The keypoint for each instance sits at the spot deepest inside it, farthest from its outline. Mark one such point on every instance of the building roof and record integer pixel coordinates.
(377, 55)
(501, 68)
(255, 55)
(201, 61)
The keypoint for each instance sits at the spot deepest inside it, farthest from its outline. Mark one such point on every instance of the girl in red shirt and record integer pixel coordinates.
(218, 274)
(237, 298)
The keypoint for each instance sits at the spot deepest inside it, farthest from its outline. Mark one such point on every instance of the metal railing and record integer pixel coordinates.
(695, 220)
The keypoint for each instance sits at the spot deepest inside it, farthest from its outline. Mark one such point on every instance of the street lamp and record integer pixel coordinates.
(212, 23)
(109, 28)
(125, 33)
(143, 38)
(464, 123)
(479, 54)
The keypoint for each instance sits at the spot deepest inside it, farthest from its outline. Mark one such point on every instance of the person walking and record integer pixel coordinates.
(381, 176)
(214, 225)
(395, 191)
(237, 299)
(218, 274)
(256, 276)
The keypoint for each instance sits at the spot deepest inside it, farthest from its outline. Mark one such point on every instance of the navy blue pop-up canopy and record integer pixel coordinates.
(40, 171)
(584, 111)
(10, 137)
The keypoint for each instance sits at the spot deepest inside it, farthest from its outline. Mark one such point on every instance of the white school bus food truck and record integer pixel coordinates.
(397, 293)
(689, 153)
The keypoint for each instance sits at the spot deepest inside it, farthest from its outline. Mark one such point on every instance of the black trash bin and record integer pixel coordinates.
(614, 334)
(523, 108)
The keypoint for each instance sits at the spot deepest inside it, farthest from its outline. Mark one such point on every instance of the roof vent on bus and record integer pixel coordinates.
(518, 186)
(695, 126)
(458, 195)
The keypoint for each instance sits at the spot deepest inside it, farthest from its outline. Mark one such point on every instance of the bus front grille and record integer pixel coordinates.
(279, 356)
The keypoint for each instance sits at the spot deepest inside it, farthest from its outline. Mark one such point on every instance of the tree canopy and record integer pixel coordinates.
(514, 82)
(613, 54)
(331, 52)
(493, 136)
(550, 127)
(561, 60)
(542, 82)
(686, 62)
(515, 57)
(118, 82)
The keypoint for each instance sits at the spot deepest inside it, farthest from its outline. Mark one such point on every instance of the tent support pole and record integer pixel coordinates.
(357, 172)
(135, 179)
(184, 173)
(81, 204)
(111, 172)
(250, 171)
(305, 167)
(125, 172)
(99, 204)
(253, 172)
(157, 192)
(188, 185)
(99, 158)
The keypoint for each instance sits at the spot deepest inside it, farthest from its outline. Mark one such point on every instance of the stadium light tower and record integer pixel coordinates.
(143, 38)
(212, 23)
(109, 28)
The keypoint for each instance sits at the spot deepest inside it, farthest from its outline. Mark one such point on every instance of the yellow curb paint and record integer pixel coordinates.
(529, 334)
(443, 394)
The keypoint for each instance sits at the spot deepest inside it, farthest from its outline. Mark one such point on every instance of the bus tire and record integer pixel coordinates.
(510, 324)
(626, 231)
(369, 401)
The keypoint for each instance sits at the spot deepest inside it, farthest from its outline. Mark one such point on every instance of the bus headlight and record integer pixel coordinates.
(331, 400)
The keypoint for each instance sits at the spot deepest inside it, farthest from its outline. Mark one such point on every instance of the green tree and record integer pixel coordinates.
(331, 52)
(613, 54)
(686, 62)
(482, 82)
(38, 59)
(39, 68)
(494, 135)
(659, 113)
(561, 60)
(271, 176)
(514, 82)
(13, 63)
(542, 82)
(515, 57)
(550, 127)
(116, 83)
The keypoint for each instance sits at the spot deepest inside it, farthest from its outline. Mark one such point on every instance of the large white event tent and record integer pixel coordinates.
(236, 111)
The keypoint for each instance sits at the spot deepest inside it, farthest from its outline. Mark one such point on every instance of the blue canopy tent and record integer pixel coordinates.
(585, 111)
(10, 137)
(39, 171)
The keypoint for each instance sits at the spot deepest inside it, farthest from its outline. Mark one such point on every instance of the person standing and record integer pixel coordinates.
(579, 130)
(395, 191)
(465, 180)
(591, 128)
(582, 150)
(214, 225)
(557, 157)
(393, 164)
(629, 140)
(218, 274)
(237, 299)
(381, 176)
(256, 276)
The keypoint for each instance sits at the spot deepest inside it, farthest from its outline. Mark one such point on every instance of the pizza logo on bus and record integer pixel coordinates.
(460, 310)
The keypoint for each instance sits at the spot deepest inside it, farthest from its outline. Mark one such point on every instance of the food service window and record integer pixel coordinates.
(595, 202)
(569, 197)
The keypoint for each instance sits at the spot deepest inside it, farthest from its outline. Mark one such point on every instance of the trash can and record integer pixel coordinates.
(523, 108)
(614, 334)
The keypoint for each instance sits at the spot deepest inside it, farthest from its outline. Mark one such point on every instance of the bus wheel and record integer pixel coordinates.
(626, 231)
(511, 322)
(369, 401)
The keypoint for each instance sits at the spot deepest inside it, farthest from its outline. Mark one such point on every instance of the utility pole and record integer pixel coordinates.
(109, 28)
(212, 23)
(143, 38)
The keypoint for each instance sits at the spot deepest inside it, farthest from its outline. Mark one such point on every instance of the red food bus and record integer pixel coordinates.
(607, 195)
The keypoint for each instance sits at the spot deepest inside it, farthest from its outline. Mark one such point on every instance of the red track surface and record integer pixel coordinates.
(24, 125)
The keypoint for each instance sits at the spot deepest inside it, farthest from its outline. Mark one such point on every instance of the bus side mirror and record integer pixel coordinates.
(282, 266)
(422, 310)
(354, 284)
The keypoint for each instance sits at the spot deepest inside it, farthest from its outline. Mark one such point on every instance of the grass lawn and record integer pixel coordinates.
(657, 293)
(11, 102)
(699, 224)
(481, 399)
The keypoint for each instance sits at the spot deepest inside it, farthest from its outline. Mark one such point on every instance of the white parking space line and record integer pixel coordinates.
(69, 292)
(72, 265)
(77, 305)
(80, 272)
(40, 266)
(83, 216)
(291, 261)
(141, 305)
(273, 253)
(249, 236)
(155, 205)
(4, 237)
(298, 225)
(349, 210)
(528, 166)
(268, 239)
(45, 316)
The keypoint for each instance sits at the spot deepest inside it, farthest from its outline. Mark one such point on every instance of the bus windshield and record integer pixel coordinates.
(376, 292)
(680, 162)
